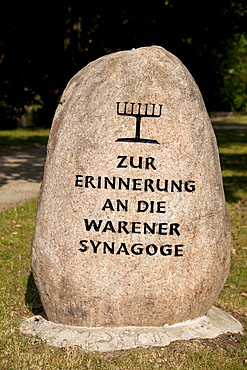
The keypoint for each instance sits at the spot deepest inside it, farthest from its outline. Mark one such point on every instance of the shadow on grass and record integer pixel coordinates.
(228, 138)
(234, 187)
(32, 298)
(235, 180)
(234, 166)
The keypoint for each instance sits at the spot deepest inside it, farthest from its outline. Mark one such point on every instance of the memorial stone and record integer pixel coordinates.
(131, 227)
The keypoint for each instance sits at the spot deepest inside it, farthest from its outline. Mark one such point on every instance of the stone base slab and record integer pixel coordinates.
(214, 323)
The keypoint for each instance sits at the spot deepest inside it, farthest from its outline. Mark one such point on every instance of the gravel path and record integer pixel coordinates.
(21, 172)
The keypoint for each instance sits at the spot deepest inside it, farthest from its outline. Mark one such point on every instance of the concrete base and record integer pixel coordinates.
(214, 323)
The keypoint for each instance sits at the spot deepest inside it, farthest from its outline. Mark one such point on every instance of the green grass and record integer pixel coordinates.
(233, 154)
(232, 119)
(19, 298)
(23, 138)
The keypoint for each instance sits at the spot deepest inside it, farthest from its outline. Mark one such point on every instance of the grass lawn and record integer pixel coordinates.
(26, 352)
(23, 138)
(232, 119)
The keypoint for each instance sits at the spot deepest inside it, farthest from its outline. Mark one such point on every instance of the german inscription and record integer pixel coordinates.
(140, 206)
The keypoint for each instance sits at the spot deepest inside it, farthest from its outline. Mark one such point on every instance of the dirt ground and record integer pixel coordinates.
(21, 173)
(229, 342)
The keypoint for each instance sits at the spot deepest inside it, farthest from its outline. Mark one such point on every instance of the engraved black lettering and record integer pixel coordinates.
(108, 227)
(125, 183)
(88, 181)
(78, 180)
(92, 224)
(178, 250)
(151, 249)
(99, 182)
(136, 251)
(161, 208)
(148, 183)
(83, 246)
(189, 187)
(149, 229)
(120, 164)
(109, 182)
(108, 205)
(136, 183)
(135, 228)
(121, 205)
(174, 228)
(95, 246)
(162, 228)
(139, 165)
(165, 185)
(166, 250)
(142, 206)
(122, 226)
(123, 249)
(150, 163)
(107, 247)
(152, 206)
(177, 186)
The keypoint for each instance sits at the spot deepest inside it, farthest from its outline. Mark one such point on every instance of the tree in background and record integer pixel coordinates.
(31, 47)
(234, 72)
(42, 51)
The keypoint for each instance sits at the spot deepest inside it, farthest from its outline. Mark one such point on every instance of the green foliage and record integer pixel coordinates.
(18, 105)
(234, 72)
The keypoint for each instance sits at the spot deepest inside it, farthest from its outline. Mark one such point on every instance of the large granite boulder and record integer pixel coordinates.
(131, 228)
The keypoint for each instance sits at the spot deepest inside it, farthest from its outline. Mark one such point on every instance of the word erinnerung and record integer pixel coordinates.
(119, 183)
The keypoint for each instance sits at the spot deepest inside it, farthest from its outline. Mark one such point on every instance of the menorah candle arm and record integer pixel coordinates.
(146, 110)
(132, 108)
(139, 109)
(153, 109)
(157, 114)
(124, 110)
(160, 108)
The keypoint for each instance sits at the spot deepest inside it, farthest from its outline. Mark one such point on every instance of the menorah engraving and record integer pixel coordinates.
(139, 111)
